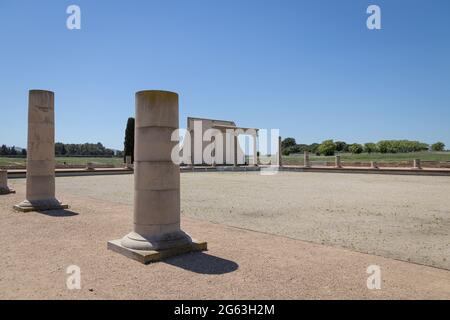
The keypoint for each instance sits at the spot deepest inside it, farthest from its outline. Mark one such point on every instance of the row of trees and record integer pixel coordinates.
(85, 149)
(330, 147)
(61, 149)
(11, 151)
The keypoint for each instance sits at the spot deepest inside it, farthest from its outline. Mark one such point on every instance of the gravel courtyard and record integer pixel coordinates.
(401, 217)
(391, 216)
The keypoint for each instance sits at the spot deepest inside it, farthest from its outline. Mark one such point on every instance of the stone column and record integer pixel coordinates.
(255, 149)
(128, 162)
(280, 160)
(90, 166)
(213, 153)
(156, 183)
(4, 183)
(307, 163)
(40, 194)
(338, 162)
(417, 164)
(235, 153)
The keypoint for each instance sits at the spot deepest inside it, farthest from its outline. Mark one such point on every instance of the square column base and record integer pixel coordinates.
(30, 209)
(147, 257)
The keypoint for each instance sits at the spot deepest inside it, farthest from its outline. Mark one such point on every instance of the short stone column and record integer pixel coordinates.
(4, 189)
(156, 233)
(235, 150)
(90, 166)
(374, 165)
(338, 162)
(307, 163)
(280, 159)
(128, 162)
(40, 194)
(417, 164)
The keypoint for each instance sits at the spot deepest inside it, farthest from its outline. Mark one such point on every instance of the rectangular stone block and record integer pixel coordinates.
(160, 141)
(40, 187)
(151, 114)
(147, 257)
(41, 150)
(163, 176)
(156, 207)
(40, 167)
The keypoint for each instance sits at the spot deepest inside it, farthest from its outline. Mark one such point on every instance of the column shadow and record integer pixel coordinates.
(58, 213)
(200, 262)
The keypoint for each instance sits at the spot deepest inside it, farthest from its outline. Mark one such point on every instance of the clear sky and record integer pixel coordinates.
(310, 68)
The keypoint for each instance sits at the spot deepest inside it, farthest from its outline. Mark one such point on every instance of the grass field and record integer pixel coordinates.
(296, 159)
(379, 157)
(7, 162)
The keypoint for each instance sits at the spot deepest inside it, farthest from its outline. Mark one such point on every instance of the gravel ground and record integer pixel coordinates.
(240, 264)
(401, 217)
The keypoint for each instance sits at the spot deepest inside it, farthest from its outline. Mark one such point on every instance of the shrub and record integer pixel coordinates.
(341, 146)
(397, 146)
(327, 148)
(438, 146)
(356, 148)
(370, 147)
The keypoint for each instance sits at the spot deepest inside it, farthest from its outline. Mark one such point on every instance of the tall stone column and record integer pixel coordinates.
(156, 232)
(255, 149)
(235, 150)
(40, 194)
(4, 189)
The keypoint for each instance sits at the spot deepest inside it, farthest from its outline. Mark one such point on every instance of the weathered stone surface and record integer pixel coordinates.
(156, 229)
(4, 189)
(40, 193)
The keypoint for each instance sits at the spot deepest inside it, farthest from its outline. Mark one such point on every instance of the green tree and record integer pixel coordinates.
(128, 149)
(13, 151)
(4, 150)
(370, 147)
(326, 148)
(438, 146)
(356, 148)
(341, 146)
(288, 142)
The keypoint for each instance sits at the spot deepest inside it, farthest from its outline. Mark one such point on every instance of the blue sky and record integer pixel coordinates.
(310, 68)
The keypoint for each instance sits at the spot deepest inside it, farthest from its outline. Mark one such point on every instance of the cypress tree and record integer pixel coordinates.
(129, 140)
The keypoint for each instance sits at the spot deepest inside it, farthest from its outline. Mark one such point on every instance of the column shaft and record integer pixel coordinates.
(40, 193)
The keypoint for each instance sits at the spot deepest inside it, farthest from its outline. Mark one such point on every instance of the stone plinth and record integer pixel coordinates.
(40, 194)
(156, 183)
(4, 189)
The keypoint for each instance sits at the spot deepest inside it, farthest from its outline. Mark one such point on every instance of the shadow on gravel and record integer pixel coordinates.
(58, 213)
(203, 263)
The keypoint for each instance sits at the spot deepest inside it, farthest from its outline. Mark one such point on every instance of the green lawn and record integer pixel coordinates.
(296, 159)
(379, 157)
(5, 162)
